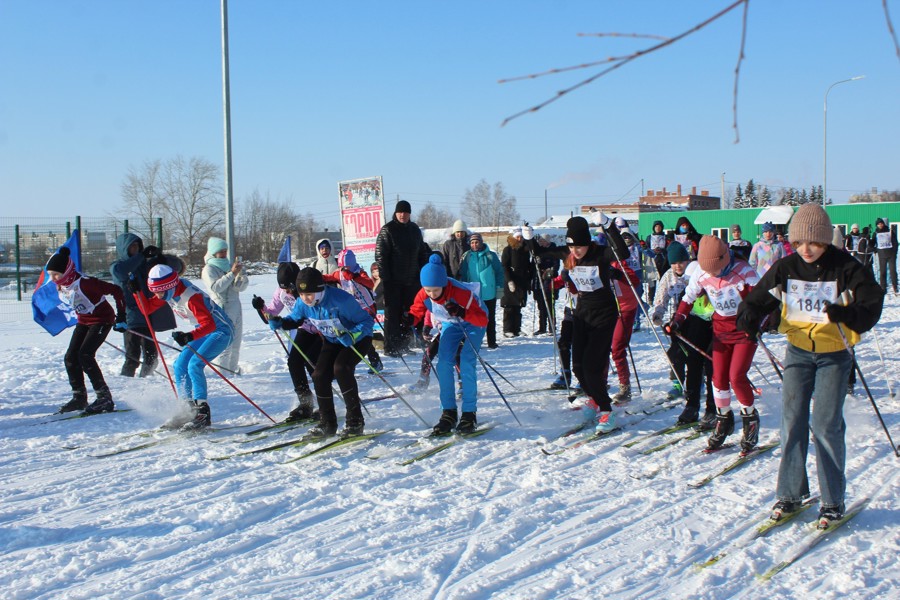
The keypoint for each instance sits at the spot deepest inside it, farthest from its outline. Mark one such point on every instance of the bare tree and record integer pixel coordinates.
(142, 193)
(194, 206)
(264, 223)
(487, 206)
(431, 217)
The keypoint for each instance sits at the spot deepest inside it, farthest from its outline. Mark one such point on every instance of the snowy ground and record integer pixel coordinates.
(491, 517)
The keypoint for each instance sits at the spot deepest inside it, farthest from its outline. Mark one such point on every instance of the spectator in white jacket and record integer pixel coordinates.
(225, 282)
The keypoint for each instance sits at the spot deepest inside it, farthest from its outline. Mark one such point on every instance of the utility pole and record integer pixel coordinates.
(226, 99)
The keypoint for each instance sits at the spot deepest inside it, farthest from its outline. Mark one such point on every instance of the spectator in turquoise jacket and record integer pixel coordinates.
(481, 265)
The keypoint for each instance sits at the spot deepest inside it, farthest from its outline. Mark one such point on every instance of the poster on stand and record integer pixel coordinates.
(362, 216)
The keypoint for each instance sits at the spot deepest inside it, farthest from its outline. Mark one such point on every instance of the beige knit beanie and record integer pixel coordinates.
(713, 254)
(811, 224)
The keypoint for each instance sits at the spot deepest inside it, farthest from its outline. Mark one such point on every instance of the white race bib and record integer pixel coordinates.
(586, 278)
(806, 300)
(725, 300)
(75, 298)
(682, 239)
(676, 289)
(657, 242)
(332, 328)
(883, 240)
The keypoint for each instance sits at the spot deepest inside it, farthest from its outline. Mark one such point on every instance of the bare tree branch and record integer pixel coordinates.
(890, 24)
(737, 73)
(631, 35)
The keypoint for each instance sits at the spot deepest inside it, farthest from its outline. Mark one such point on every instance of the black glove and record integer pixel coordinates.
(748, 320)
(150, 252)
(257, 302)
(839, 314)
(616, 274)
(674, 325)
(289, 323)
(134, 286)
(455, 310)
(120, 325)
(182, 338)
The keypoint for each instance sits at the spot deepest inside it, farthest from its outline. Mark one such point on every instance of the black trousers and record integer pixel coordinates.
(80, 361)
(137, 347)
(338, 362)
(397, 300)
(492, 322)
(311, 345)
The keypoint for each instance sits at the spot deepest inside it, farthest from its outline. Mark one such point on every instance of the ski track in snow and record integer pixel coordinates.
(490, 517)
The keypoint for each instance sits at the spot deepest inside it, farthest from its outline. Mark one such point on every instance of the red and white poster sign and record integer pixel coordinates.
(362, 216)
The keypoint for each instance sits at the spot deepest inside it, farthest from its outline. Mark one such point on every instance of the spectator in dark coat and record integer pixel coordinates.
(886, 246)
(454, 248)
(518, 271)
(546, 271)
(688, 236)
(400, 253)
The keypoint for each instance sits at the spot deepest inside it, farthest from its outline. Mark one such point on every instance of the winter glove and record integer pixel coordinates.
(133, 286)
(558, 282)
(151, 252)
(748, 320)
(426, 334)
(656, 318)
(120, 325)
(512, 286)
(616, 274)
(598, 218)
(675, 324)
(182, 338)
(455, 310)
(346, 274)
(276, 323)
(528, 232)
(839, 314)
(258, 303)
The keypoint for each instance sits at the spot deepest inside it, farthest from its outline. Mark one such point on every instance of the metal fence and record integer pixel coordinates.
(27, 244)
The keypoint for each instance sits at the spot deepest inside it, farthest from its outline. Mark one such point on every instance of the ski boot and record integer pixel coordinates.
(304, 411)
(850, 389)
(419, 386)
(354, 426)
(560, 383)
(376, 366)
(708, 421)
(202, 417)
(606, 422)
(446, 423)
(78, 402)
(724, 428)
(828, 515)
(750, 436)
(783, 508)
(689, 415)
(103, 403)
(623, 395)
(321, 431)
(467, 423)
(675, 392)
(590, 409)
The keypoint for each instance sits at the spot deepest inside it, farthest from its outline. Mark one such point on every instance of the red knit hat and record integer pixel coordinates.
(713, 254)
(162, 278)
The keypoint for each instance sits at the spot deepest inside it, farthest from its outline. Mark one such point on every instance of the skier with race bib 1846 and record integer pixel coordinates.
(827, 300)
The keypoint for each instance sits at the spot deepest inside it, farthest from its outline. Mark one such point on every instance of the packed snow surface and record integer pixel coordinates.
(489, 517)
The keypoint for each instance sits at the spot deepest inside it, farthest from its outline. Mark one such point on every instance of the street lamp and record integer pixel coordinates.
(825, 137)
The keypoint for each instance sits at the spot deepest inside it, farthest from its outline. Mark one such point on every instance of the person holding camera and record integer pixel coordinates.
(225, 281)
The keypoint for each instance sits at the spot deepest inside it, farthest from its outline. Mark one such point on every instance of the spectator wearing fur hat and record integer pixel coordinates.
(481, 265)
(454, 248)
(96, 317)
(826, 299)
(766, 251)
(212, 333)
(400, 252)
(304, 340)
(886, 246)
(726, 280)
(225, 281)
(518, 271)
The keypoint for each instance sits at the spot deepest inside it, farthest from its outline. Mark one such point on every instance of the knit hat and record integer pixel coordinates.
(215, 245)
(434, 273)
(713, 255)
(621, 223)
(310, 281)
(162, 278)
(810, 224)
(677, 253)
(59, 262)
(736, 227)
(459, 225)
(347, 259)
(854, 226)
(287, 274)
(476, 236)
(515, 231)
(880, 221)
(768, 227)
(577, 232)
(403, 207)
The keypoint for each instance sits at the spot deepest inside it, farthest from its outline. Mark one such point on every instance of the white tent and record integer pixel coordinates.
(777, 215)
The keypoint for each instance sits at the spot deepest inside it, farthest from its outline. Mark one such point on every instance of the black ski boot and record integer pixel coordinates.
(467, 423)
(724, 428)
(828, 515)
(708, 421)
(78, 402)
(783, 508)
(322, 430)
(353, 427)
(202, 417)
(689, 415)
(304, 411)
(750, 436)
(103, 403)
(446, 424)
(564, 378)
(377, 366)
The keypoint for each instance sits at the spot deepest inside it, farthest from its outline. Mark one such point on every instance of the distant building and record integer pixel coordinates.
(660, 201)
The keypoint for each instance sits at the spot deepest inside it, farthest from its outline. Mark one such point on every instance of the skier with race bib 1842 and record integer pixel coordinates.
(827, 299)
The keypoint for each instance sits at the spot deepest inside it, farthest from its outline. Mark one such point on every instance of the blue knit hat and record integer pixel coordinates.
(768, 227)
(434, 274)
(676, 253)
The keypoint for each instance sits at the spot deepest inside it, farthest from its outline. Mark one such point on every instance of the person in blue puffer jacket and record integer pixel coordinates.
(346, 329)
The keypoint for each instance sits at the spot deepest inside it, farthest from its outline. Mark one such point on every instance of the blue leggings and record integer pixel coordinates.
(451, 336)
(189, 377)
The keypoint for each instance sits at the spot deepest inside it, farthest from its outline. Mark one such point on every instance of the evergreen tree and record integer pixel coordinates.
(750, 198)
(791, 197)
(738, 197)
(765, 198)
(814, 195)
(803, 198)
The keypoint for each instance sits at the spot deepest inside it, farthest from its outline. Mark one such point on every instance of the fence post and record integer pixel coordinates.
(159, 235)
(126, 225)
(18, 268)
(78, 229)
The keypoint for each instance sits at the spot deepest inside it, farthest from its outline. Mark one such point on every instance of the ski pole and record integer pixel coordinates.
(177, 349)
(484, 366)
(266, 321)
(887, 375)
(393, 389)
(866, 385)
(399, 354)
(126, 354)
(551, 317)
(772, 358)
(634, 368)
(692, 346)
(139, 300)
(499, 374)
(228, 381)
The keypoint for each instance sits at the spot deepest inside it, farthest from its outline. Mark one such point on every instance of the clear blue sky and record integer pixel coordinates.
(324, 91)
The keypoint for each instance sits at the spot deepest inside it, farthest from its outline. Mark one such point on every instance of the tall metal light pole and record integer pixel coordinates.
(226, 99)
(825, 137)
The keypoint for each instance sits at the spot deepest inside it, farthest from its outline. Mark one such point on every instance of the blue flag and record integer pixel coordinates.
(49, 311)
(285, 254)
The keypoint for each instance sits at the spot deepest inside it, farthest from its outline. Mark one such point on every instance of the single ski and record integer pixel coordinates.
(288, 444)
(170, 436)
(767, 525)
(593, 437)
(676, 440)
(665, 431)
(813, 537)
(736, 463)
(451, 442)
(341, 441)
(280, 426)
(78, 415)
